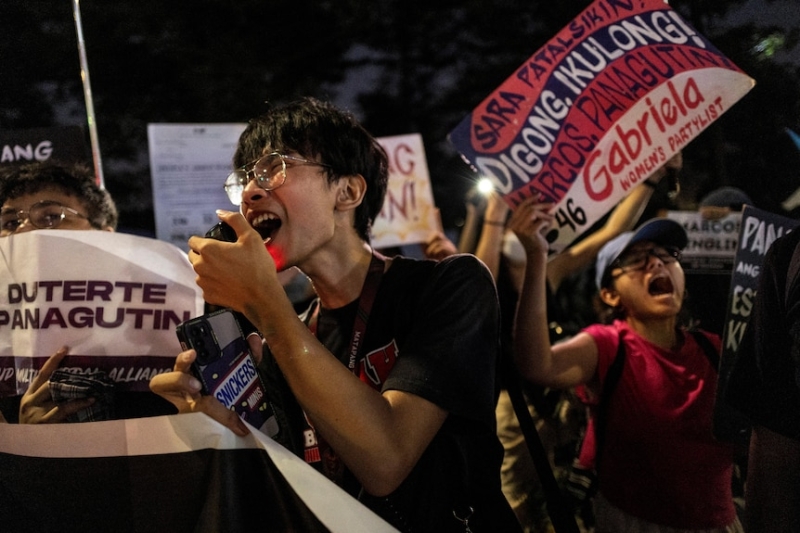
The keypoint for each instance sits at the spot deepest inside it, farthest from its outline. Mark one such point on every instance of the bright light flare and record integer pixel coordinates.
(485, 186)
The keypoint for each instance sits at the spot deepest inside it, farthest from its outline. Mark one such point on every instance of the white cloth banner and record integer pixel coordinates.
(164, 456)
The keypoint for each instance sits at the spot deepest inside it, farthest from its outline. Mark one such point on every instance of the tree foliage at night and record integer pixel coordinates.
(404, 66)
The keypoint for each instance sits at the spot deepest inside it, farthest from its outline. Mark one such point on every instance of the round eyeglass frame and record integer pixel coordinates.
(672, 254)
(35, 219)
(268, 175)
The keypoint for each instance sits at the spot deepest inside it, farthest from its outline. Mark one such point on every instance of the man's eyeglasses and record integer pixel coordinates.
(637, 259)
(269, 171)
(47, 214)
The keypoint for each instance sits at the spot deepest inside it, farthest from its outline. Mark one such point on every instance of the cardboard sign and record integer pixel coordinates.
(759, 229)
(712, 243)
(597, 109)
(409, 214)
(114, 299)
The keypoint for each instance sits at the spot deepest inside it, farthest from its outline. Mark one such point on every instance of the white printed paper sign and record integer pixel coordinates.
(409, 214)
(598, 109)
(113, 299)
(188, 165)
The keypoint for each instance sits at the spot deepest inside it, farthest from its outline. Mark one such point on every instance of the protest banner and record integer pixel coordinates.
(712, 243)
(66, 144)
(113, 298)
(188, 165)
(409, 214)
(758, 231)
(597, 109)
(168, 473)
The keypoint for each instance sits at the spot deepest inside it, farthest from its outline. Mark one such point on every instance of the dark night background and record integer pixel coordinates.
(401, 66)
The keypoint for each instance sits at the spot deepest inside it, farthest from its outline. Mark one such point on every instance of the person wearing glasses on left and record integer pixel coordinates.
(56, 195)
(50, 195)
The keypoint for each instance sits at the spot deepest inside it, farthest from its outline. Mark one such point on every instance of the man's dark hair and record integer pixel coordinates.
(313, 128)
(71, 179)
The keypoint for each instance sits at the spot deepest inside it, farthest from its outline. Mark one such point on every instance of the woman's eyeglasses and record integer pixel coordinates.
(637, 259)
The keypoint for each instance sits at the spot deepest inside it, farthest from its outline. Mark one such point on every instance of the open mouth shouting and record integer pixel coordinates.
(266, 224)
(660, 285)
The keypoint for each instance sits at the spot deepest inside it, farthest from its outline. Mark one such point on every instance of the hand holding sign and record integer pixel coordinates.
(38, 406)
(530, 221)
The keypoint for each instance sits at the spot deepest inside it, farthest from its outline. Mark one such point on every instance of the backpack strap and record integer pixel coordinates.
(610, 383)
(560, 511)
(707, 346)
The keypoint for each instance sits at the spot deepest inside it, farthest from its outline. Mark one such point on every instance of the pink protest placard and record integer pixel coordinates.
(597, 109)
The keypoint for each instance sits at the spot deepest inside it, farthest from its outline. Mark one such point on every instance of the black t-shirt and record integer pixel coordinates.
(432, 332)
(764, 382)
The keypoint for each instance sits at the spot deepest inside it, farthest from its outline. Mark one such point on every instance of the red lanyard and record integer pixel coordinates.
(316, 447)
(365, 301)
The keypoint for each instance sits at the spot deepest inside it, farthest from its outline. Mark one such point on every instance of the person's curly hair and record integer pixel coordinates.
(72, 179)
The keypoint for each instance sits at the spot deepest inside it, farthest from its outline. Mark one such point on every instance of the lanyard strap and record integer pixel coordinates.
(365, 301)
(317, 450)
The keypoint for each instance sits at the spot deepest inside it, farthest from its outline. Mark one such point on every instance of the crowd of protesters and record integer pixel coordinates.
(388, 381)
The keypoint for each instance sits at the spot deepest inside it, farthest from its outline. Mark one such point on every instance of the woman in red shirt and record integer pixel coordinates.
(660, 468)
